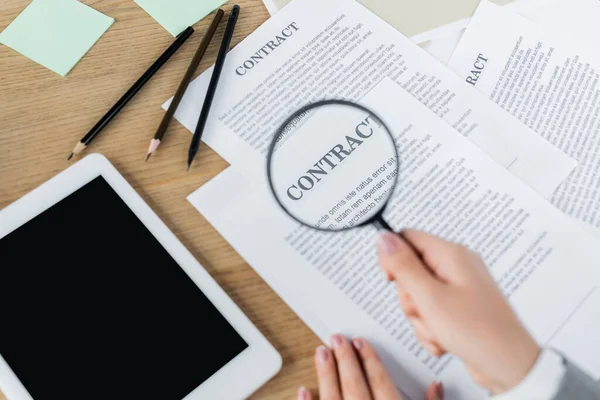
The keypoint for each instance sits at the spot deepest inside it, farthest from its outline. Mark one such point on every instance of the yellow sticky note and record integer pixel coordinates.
(55, 33)
(176, 15)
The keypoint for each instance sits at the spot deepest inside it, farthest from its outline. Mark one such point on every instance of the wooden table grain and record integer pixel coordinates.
(43, 115)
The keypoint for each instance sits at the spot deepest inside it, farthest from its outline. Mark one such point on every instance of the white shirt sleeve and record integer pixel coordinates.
(543, 381)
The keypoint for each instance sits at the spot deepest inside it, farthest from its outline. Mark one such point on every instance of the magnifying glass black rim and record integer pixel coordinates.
(375, 218)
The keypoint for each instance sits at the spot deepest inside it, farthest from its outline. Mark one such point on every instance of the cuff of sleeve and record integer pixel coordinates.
(543, 381)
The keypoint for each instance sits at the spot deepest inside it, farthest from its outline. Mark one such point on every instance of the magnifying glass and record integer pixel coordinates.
(333, 166)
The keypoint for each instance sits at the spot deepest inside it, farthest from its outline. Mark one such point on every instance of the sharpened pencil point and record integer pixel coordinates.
(154, 143)
(70, 156)
(188, 168)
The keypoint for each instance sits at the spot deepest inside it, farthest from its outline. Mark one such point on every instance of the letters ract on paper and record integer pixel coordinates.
(477, 70)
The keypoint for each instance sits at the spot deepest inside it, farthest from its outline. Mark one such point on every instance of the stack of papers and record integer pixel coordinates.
(502, 155)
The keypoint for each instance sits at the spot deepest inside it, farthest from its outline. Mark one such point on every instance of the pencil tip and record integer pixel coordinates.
(70, 156)
(188, 168)
(148, 156)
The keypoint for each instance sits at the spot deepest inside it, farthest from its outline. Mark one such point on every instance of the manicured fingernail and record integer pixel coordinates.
(322, 354)
(387, 243)
(303, 393)
(336, 341)
(439, 389)
(357, 343)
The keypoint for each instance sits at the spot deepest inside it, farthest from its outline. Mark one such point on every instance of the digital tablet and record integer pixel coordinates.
(99, 300)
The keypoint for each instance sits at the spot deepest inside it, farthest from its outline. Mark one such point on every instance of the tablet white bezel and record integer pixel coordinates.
(238, 379)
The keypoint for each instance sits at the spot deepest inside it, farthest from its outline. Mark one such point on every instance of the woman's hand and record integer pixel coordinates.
(454, 305)
(351, 370)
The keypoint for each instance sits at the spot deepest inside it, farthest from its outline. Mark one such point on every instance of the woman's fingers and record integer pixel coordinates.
(435, 391)
(400, 261)
(436, 252)
(424, 336)
(353, 371)
(304, 394)
(352, 380)
(408, 306)
(327, 375)
(431, 347)
(378, 378)
(422, 332)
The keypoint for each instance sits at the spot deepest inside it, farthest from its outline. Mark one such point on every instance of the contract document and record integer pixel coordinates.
(543, 261)
(344, 51)
(548, 83)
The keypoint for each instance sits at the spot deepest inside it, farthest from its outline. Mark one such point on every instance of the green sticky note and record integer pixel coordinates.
(55, 33)
(176, 15)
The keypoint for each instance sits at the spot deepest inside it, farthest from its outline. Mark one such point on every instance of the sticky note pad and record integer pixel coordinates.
(176, 15)
(55, 33)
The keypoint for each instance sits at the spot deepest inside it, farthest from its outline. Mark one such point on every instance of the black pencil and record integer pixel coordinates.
(87, 139)
(164, 124)
(214, 82)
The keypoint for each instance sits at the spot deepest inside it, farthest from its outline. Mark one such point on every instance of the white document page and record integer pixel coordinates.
(541, 259)
(343, 51)
(548, 83)
(575, 19)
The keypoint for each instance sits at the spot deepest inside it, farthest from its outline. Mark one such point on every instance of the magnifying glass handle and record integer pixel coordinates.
(382, 225)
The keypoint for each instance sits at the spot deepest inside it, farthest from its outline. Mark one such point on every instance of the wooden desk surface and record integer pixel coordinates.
(43, 115)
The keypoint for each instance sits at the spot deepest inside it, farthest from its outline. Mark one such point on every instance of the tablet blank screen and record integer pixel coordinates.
(93, 307)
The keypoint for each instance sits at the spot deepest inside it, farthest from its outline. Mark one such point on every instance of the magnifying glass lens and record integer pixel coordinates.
(333, 166)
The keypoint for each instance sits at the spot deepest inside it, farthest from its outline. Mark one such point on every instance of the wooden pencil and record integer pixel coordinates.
(214, 83)
(187, 78)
